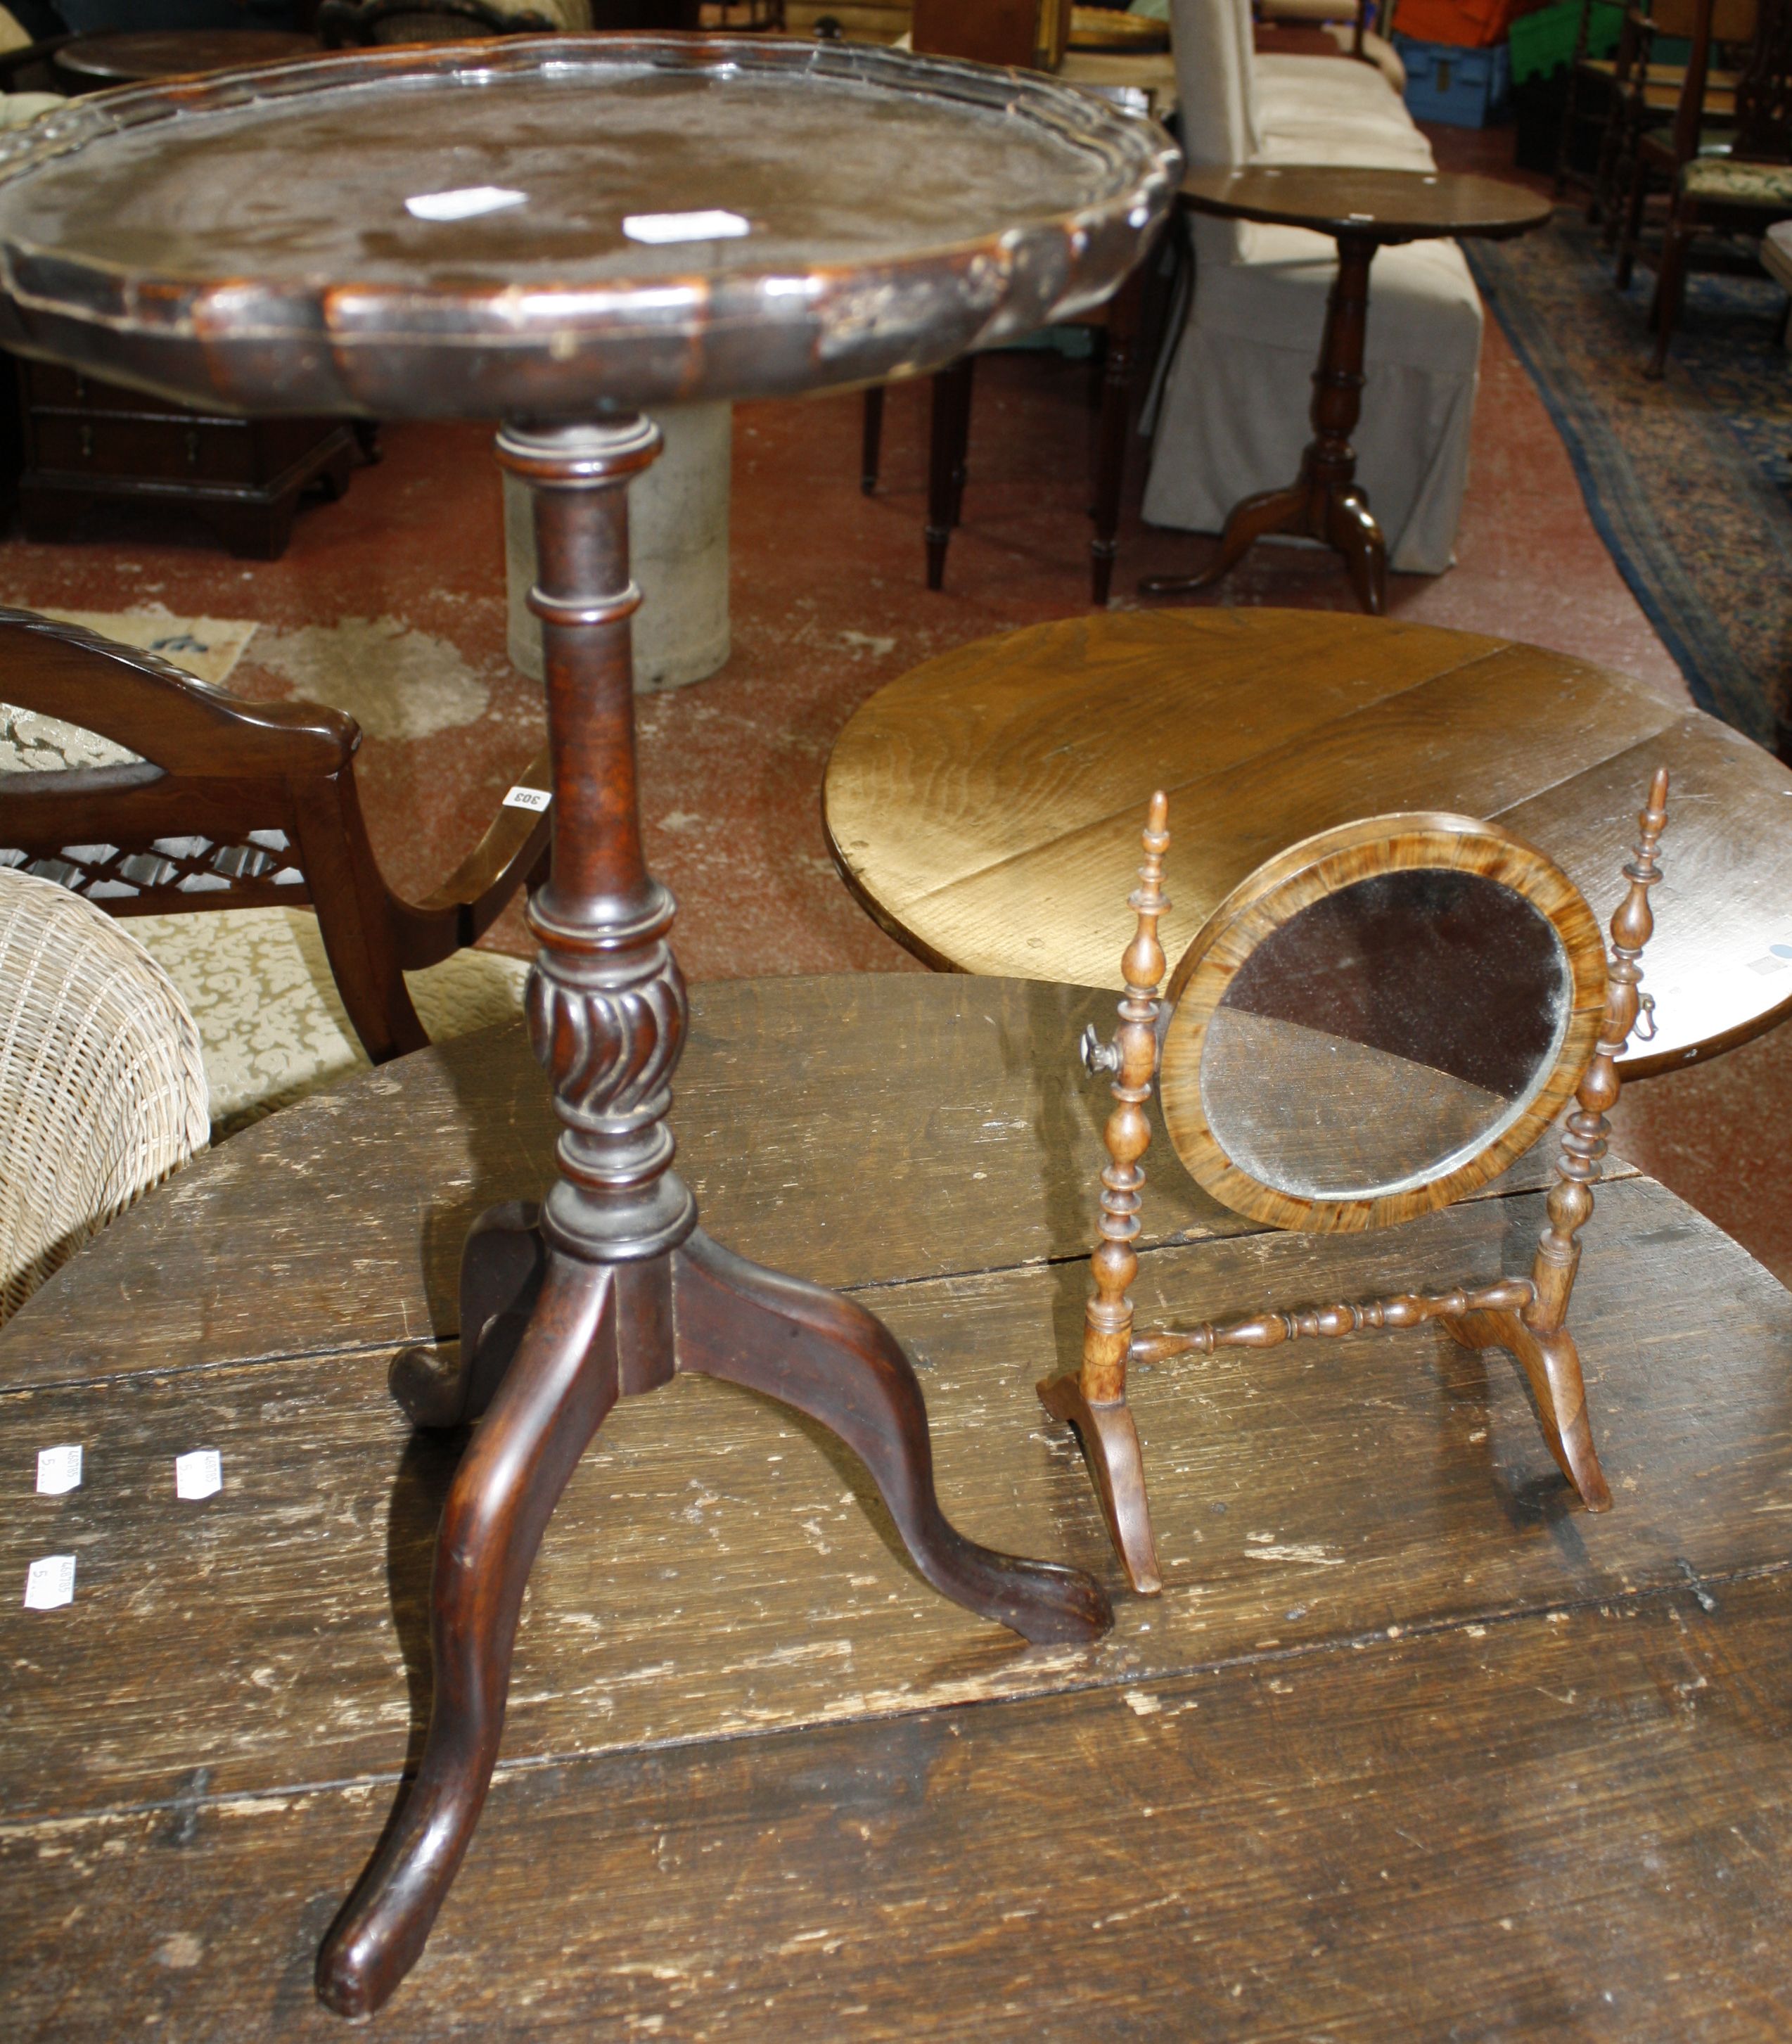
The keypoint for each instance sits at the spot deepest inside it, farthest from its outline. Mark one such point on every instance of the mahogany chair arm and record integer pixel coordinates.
(476, 893)
(160, 712)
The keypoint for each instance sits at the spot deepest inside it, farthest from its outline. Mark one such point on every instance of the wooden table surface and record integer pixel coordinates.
(1382, 205)
(131, 56)
(1406, 1749)
(986, 806)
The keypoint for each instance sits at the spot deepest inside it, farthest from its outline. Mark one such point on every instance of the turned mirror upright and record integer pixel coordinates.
(1377, 1022)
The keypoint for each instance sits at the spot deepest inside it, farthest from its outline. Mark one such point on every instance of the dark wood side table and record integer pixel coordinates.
(985, 804)
(523, 229)
(1399, 1740)
(1362, 210)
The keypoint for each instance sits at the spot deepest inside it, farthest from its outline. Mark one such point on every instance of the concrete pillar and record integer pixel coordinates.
(679, 546)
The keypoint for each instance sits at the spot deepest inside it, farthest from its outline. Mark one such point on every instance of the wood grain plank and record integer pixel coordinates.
(715, 1567)
(1725, 896)
(1058, 907)
(995, 748)
(854, 1129)
(1575, 1826)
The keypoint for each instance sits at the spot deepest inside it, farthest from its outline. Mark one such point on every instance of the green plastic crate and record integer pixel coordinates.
(1543, 42)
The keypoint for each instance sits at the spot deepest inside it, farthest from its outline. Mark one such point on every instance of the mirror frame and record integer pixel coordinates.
(1294, 880)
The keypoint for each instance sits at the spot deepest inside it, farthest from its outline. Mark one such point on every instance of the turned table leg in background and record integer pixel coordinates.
(1326, 503)
(609, 1288)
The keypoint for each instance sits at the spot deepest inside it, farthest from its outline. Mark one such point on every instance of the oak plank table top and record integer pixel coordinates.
(1404, 1745)
(986, 805)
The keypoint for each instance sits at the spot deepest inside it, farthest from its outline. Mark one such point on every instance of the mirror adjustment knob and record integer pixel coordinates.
(1097, 1056)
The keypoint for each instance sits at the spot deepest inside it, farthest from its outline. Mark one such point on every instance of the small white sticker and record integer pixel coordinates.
(715, 225)
(59, 1469)
(49, 1582)
(528, 798)
(467, 204)
(200, 1474)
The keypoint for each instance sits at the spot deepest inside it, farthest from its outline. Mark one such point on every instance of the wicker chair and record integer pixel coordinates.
(102, 1083)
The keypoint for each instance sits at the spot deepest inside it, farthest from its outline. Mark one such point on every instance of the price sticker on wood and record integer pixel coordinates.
(199, 1474)
(528, 798)
(59, 1469)
(49, 1582)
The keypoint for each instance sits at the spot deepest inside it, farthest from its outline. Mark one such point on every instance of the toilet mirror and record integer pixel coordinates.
(1379, 1020)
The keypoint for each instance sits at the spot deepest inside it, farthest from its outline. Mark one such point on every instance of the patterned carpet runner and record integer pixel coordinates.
(1689, 481)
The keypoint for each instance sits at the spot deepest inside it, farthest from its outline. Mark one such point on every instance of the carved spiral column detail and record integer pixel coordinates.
(607, 1005)
(610, 1050)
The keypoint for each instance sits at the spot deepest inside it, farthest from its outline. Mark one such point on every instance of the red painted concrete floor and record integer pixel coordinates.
(828, 604)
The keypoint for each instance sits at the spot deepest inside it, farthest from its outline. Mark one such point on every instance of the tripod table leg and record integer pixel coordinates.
(559, 1388)
(827, 1357)
(501, 1268)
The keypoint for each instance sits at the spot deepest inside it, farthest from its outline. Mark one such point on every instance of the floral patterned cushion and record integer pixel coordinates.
(30, 744)
(271, 1019)
(1724, 182)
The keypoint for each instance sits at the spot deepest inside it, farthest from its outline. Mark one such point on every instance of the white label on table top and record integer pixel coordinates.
(58, 1469)
(528, 798)
(714, 225)
(200, 1474)
(468, 203)
(49, 1582)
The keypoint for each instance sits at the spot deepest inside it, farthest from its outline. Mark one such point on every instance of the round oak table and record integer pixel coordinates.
(561, 232)
(1362, 210)
(986, 806)
(768, 1815)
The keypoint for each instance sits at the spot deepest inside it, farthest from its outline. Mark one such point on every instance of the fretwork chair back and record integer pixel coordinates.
(157, 796)
(1746, 188)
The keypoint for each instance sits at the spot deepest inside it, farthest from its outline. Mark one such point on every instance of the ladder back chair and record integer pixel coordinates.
(1746, 188)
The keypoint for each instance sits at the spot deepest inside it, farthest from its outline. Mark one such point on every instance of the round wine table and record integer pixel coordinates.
(93, 63)
(560, 232)
(1362, 210)
(986, 806)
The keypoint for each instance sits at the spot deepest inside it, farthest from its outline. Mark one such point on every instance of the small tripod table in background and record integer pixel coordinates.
(561, 232)
(1362, 210)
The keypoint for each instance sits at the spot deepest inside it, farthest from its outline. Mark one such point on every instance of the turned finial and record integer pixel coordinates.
(1583, 1140)
(1131, 1059)
(1143, 965)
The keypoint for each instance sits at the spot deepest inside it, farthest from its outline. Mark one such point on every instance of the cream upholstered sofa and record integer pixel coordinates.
(1232, 418)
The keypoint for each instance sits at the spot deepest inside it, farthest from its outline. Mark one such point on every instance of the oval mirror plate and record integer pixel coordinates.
(1379, 1020)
